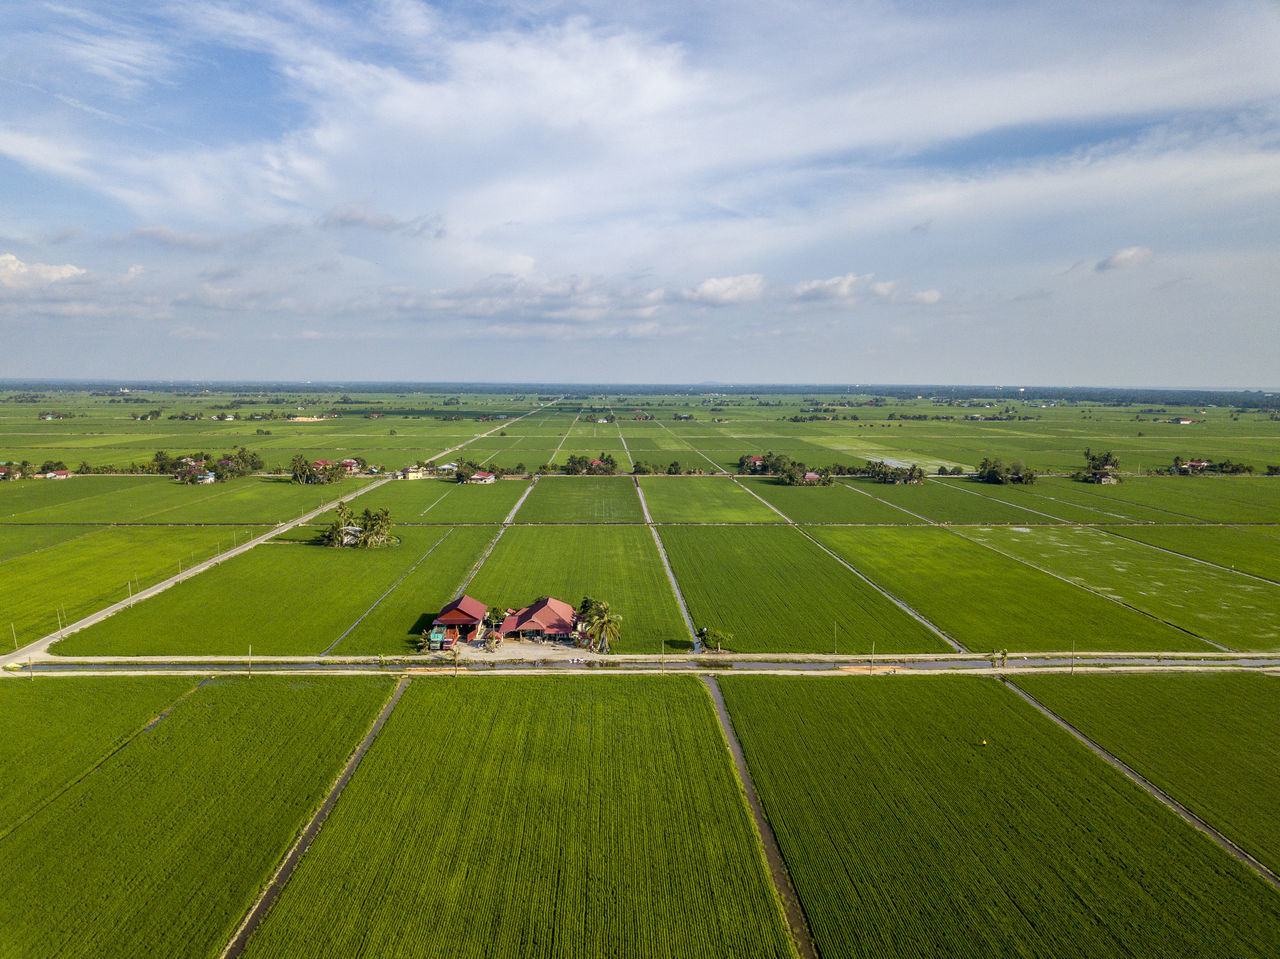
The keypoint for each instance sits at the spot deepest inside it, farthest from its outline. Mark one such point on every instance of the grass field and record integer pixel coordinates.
(1216, 499)
(161, 850)
(948, 503)
(582, 499)
(838, 503)
(777, 592)
(118, 499)
(1234, 610)
(1253, 549)
(88, 571)
(595, 817)
(59, 729)
(987, 601)
(1210, 741)
(284, 598)
(944, 817)
(20, 540)
(444, 501)
(395, 625)
(674, 499)
(620, 565)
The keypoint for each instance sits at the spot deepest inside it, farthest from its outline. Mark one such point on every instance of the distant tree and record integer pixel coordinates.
(673, 469)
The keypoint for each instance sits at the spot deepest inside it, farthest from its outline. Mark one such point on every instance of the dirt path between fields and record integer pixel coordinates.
(1155, 791)
(259, 910)
(666, 564)
(772, 853)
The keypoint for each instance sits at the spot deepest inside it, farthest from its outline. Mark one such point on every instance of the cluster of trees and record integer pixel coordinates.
(882, 472)
(372, 529)
(954, 471)
(601, 627)
(469, 468)
(304, 473)
(27, 468)
(1226, 467)
(1000, 473)
(647, 469)
(579, 464)
(1097, 464)
(717, 638)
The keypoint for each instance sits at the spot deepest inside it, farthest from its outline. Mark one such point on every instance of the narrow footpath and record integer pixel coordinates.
(666, 564)
(772, 853)
(282, 875)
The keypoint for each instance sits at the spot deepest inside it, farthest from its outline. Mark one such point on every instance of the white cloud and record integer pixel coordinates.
(1129, 256)
(928, 297)
(728, 290)
(835, 288)
(15, 274)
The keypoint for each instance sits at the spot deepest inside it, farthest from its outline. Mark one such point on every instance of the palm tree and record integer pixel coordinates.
(603, 628)
(301, 469)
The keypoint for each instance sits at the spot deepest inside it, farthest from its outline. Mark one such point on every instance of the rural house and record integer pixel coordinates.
(546, 619)
(462, 619)
(482, 478)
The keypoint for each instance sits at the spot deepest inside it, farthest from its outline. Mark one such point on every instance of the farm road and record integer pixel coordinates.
(41, 646)
(666, 564)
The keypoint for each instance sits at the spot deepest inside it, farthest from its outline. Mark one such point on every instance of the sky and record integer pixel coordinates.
(840, 192)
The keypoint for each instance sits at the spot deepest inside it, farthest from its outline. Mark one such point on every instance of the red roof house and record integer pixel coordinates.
(546, 619)
(320, 464)
(482, 477)
(463, 618)
(812, 478)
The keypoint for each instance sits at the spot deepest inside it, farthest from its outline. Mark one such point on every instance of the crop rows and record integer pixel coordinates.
(1210, 741)
(536, 817)
(945, 817)
(588, 499)
(161, 850)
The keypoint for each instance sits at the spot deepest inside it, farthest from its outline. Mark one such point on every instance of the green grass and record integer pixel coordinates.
(617, 564)
(948, 503)
(1193, 499)
(1253, 549)
(1210, 741)
(940, 817)
(19, 540)
(161, 850)
(88, 572)
(582, 499)
(60, 728)
(679, 499)
(435, 501)
(115, 499)
(775, 591)
(838, 503)
(1215, 604)
(283, 597)
(591, 817)
(987, 601)
(395, 625)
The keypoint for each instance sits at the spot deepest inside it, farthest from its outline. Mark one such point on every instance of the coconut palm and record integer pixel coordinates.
(603, 628)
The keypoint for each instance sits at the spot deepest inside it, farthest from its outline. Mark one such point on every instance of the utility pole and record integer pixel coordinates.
(873, 657)
(13, 630)
(1073, 655)
(251, 660)
(129, 587)
(835, 642)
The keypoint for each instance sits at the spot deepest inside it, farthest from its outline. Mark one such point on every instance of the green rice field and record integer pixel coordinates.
(582, 499)
(1210, 741)
(774, 590)
(839, 503)
(161, 849)
(939, 817)
(674, 499)
(593, 817)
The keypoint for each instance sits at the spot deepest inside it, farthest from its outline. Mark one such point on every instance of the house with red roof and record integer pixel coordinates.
(321, 464)
(482, 478)
(461, 619)
(812, 478)
(548, 618)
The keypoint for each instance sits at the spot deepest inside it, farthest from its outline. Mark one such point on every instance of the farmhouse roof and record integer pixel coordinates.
(549, 615)
(480, 474)
(319, 463)
(462, 610)
(812, 476)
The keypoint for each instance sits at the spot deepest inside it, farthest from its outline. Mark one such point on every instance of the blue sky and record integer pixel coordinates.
(1083, 193)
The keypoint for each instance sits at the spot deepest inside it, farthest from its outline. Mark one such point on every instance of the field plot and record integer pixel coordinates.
(119, 499)
(837, 503)
(283, 598)
(777, 592)
(475, 504)
(617, 564)
(945, 503)
(90, 570)
(987, 601)
(1217, 499)
(582, 499)
(161, 850)
(395, 625)
(58, 729)
(677, 499)
(590, 817)
(1218, 605)
(1210, 741)
(17, 541)
(1056, 501)
(1253, 549)
(939, 817)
